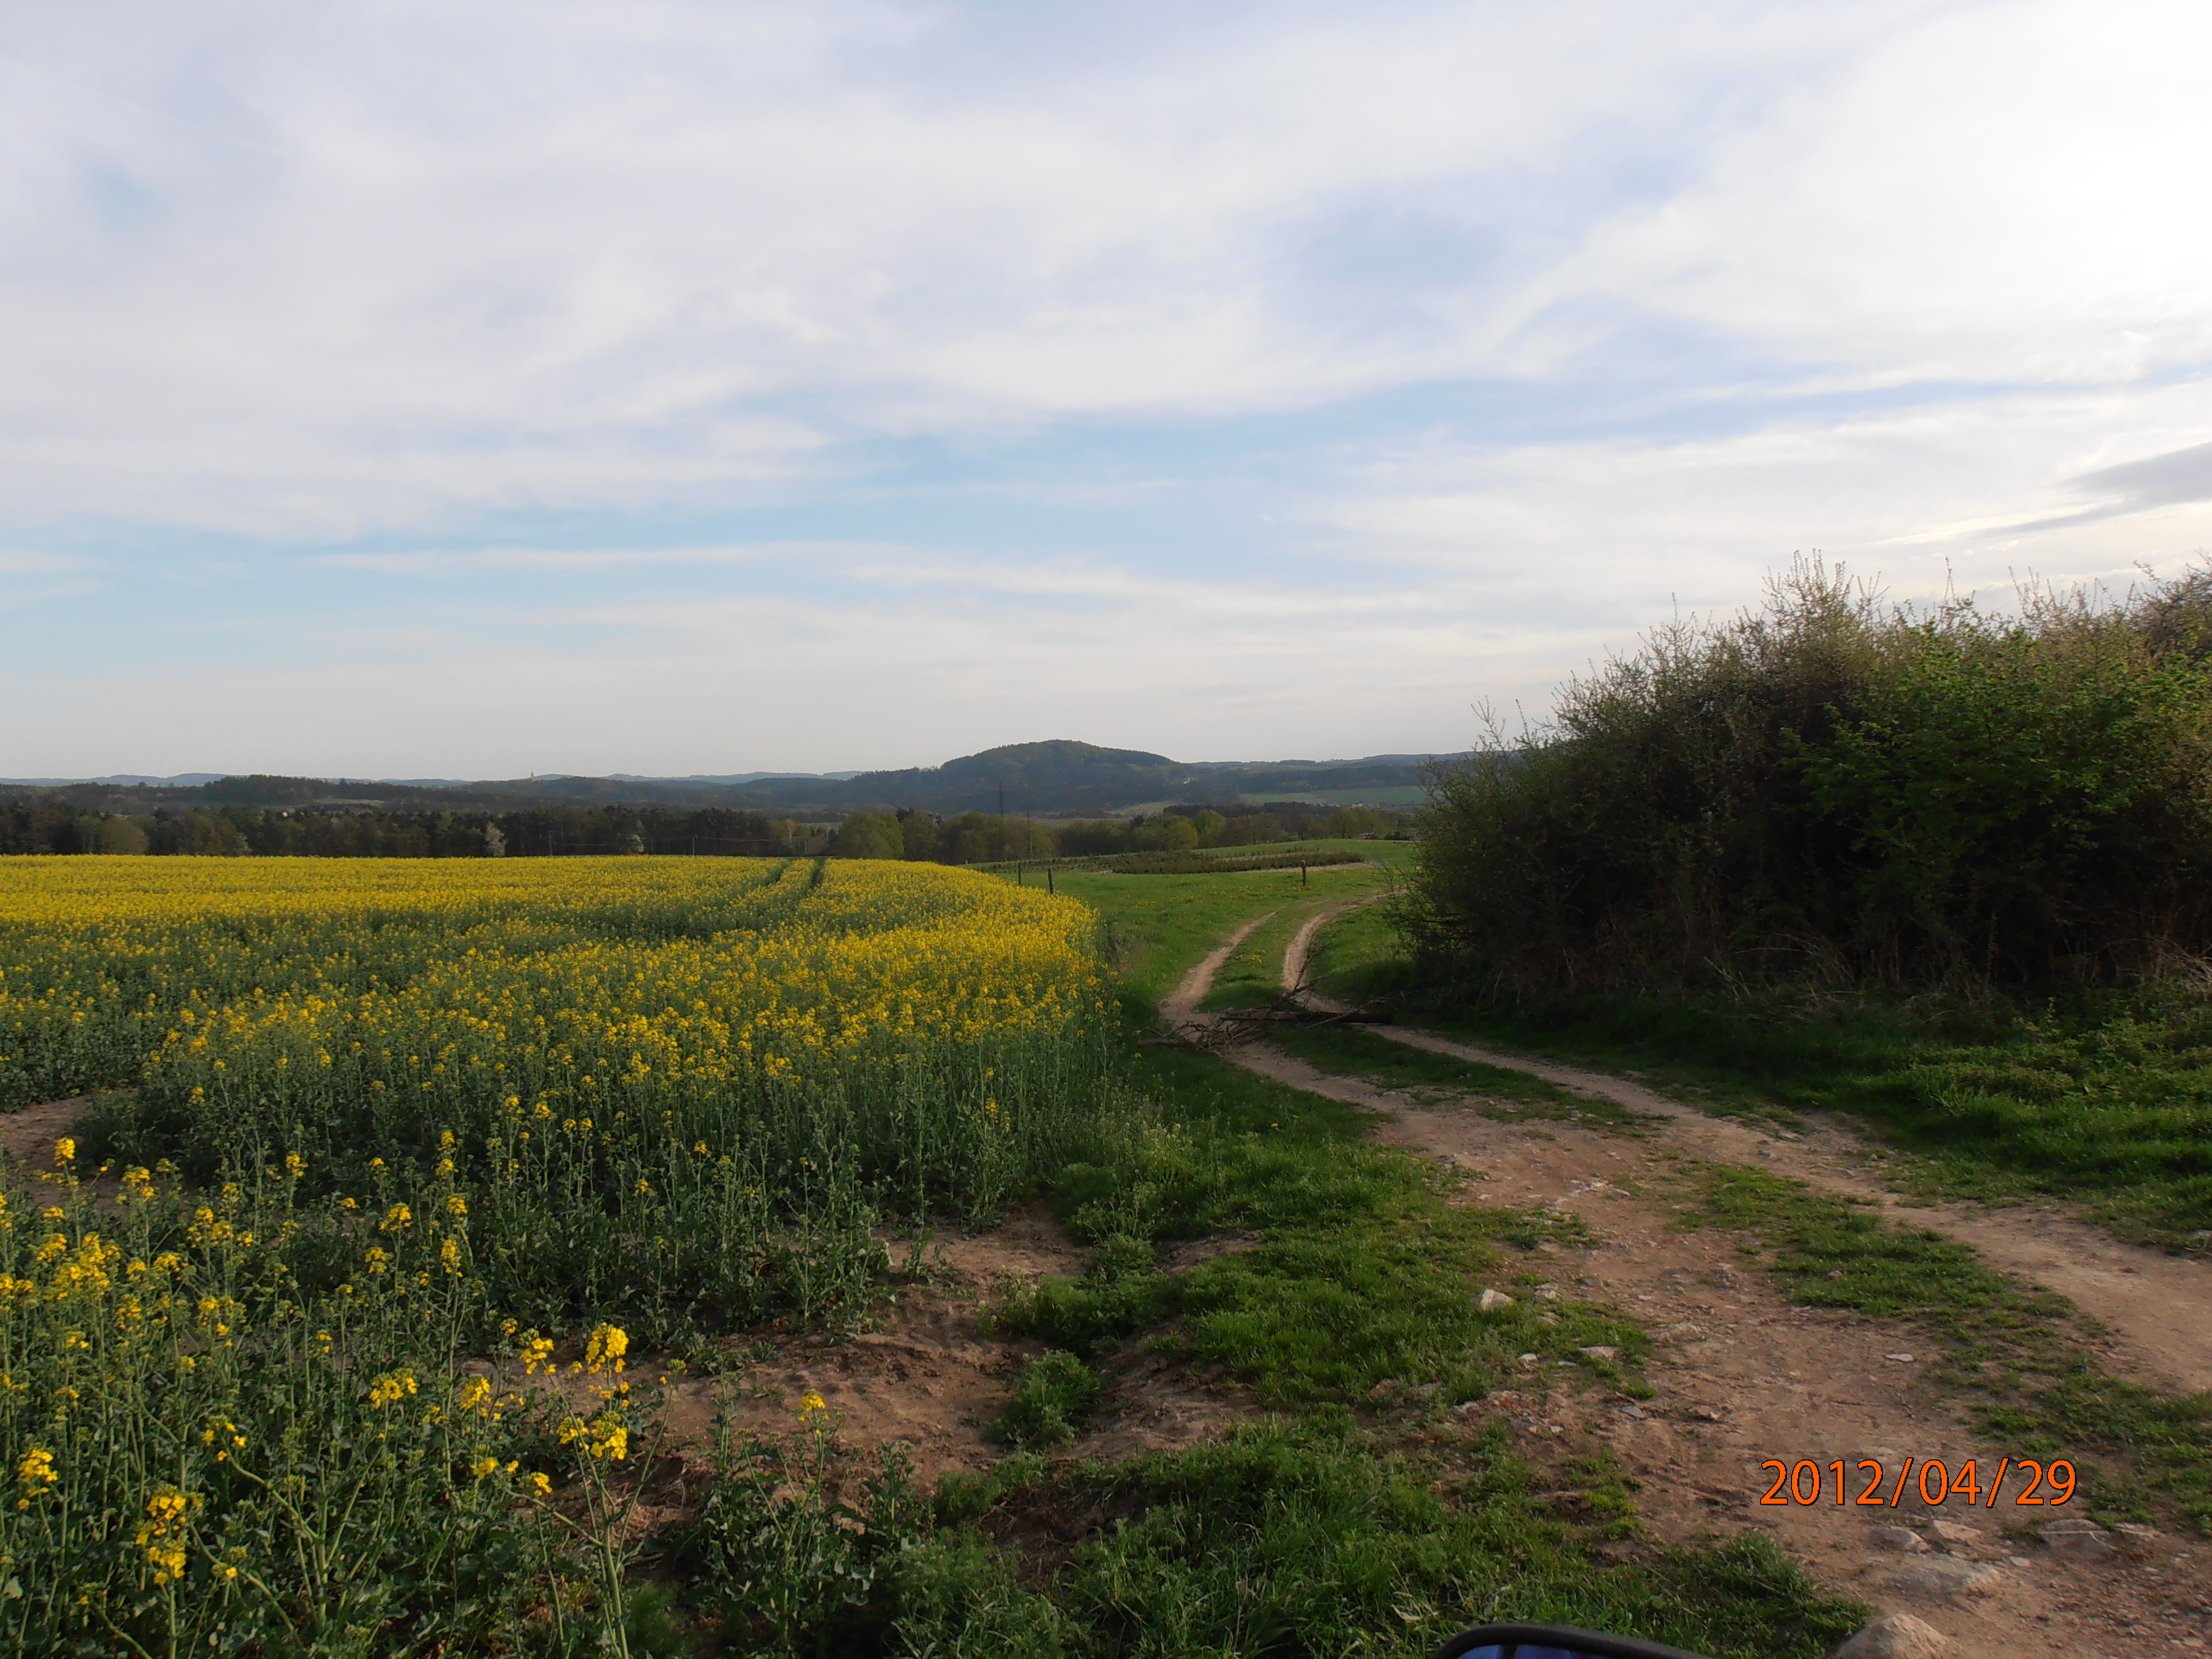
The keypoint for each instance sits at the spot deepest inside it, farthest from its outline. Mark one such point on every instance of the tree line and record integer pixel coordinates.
(56, 824)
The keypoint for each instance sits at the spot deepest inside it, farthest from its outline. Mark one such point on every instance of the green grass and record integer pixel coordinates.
(1157, 925)
(1253, 976)
(1363, 1274)
(2026, 1356)
(1054, 1398)
(2107, 1104)
(1359, 956)
(1314, 1538)
(1502, 1093)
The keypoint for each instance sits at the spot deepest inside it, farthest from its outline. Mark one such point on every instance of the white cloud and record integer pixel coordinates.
(325, 292)
(347, 268)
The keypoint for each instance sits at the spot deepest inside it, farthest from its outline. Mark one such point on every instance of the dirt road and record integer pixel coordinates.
(1744, 1377)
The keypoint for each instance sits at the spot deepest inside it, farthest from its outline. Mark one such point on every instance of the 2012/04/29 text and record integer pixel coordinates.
(2037, 1484)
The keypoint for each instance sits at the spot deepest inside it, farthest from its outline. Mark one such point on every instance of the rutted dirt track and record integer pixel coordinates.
(1742, 1377)
(2160, 1305)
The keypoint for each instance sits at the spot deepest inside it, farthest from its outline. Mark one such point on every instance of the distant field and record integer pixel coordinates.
(1399, 794)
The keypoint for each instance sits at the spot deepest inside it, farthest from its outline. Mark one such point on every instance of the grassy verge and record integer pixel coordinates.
(1502, 1093)
(1362, 1275)
(1360, 955)
(2026, 1357)
(1305, 1537)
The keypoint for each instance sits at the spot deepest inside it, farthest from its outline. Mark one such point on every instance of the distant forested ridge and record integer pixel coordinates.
(946, 814)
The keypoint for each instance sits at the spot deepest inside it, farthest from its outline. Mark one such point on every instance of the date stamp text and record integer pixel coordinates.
(2031, 1484)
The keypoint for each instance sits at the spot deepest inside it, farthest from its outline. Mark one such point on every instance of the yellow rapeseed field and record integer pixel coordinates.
(379, 1116)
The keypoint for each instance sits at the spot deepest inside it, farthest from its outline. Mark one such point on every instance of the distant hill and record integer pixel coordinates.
(1061, 778)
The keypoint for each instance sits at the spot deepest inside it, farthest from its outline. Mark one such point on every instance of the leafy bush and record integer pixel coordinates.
(1842, 787)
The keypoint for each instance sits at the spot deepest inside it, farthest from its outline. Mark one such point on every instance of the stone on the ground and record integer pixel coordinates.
(1491, 1300)
(1956, 1532)
(1903, 1539)
(1945, 1574)
(1600, 1351)
(1530, 1360)
(1897, 1636)
(2082, 1540)
(2135, 1530)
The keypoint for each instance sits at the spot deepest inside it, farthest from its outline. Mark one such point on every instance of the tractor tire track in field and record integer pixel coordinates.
(1743, 1377)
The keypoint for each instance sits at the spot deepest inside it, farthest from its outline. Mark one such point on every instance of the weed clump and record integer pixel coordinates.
(1054, 1398)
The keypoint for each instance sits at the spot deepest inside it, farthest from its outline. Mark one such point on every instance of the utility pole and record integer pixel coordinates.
(1002, 819)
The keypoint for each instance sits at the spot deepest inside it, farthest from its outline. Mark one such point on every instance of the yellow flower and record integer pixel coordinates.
(294, 1165)
(484, 1466)
(36, 1473)
(391, 1389)
(457, 1206)
(397, 1218)
(537, 1352)
(605, 1349)
(65, 1150)
(809, 1402)
(604, 1436)
(162, 1535)
(541, 1484)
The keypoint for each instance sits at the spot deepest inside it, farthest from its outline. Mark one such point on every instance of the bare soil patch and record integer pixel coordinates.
(928, 1375)
(27, 1134)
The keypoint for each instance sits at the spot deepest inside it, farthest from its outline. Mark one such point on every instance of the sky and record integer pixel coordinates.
(422, 390)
